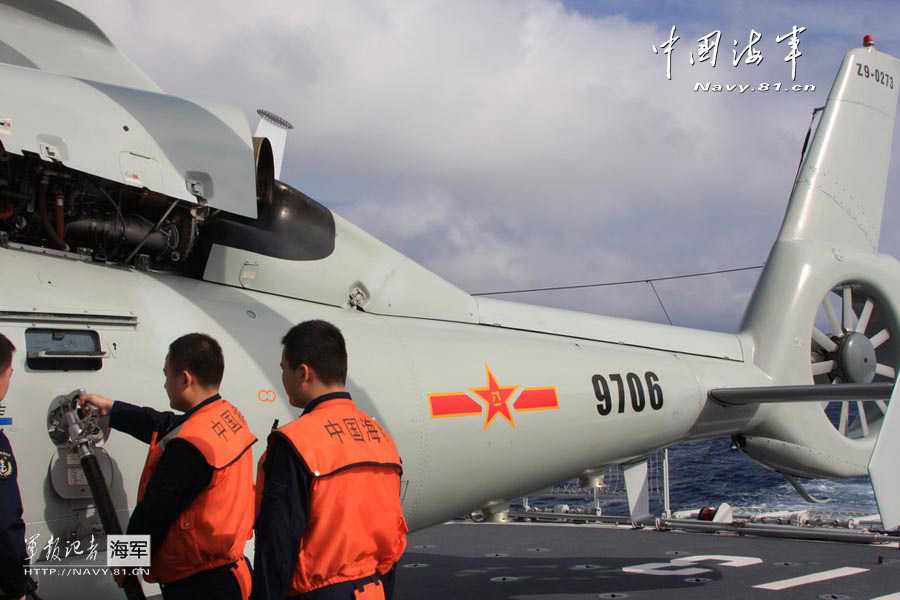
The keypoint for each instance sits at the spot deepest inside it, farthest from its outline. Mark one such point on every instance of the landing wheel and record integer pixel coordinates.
(859, 346)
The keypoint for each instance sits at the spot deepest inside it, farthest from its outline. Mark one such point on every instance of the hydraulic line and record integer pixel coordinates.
(45, 217)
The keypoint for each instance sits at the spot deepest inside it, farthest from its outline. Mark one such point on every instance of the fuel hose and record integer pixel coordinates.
(107, 511)
(97, 483)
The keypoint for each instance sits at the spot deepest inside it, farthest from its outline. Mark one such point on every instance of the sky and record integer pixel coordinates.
(532, 143)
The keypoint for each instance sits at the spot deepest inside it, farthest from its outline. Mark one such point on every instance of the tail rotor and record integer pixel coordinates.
(854, 341)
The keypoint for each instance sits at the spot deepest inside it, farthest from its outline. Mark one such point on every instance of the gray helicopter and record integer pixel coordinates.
(129, 217)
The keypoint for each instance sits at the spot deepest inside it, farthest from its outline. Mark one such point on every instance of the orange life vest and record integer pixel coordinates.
(356, 526)
(214, 527)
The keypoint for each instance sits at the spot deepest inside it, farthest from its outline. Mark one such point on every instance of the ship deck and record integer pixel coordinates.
(560, 561)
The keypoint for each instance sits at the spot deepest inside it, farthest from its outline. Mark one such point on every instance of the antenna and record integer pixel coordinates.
(274, 128)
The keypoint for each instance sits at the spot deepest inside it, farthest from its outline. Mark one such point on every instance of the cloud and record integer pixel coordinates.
(517, 144)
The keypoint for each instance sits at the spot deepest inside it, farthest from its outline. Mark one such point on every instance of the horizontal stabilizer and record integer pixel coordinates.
(803, 393)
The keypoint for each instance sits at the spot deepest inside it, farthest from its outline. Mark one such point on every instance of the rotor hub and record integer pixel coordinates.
(857, 359)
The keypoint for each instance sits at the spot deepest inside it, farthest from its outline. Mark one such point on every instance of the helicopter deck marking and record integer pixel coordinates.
(811, 578)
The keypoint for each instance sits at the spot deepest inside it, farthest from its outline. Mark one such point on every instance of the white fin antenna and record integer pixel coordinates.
(275, 129)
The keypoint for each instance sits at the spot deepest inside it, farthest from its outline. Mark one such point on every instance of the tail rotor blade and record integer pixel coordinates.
(847, 309)
(832, 317)
(865, 316)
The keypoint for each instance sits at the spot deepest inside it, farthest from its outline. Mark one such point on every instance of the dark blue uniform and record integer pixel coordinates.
(12, 528)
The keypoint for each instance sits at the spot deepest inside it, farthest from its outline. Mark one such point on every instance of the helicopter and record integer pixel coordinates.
(129, 216)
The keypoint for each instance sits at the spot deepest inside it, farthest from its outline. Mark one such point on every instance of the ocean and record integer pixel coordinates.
(709, 473)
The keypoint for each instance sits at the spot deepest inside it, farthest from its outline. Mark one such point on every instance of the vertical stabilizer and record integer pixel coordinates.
(832, 226)
(826, 309)
(838, 195)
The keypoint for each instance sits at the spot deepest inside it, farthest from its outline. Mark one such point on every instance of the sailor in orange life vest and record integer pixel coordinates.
(329, 523)
(195, 497)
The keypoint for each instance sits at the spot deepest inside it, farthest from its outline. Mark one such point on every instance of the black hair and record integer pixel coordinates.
(6, 351)
(200, 355)
(319, 345)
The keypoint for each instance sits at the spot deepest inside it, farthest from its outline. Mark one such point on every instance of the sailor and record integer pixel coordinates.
(12, 528)
(195, 497)
(329, 523)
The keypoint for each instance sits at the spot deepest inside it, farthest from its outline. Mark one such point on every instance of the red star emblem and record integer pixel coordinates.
(496, 398)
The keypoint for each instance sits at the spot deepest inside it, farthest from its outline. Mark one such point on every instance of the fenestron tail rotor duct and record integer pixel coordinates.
(854, 340)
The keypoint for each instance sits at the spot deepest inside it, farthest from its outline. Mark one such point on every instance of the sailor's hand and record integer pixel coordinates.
(102, 403)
